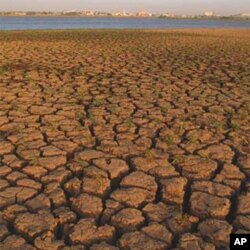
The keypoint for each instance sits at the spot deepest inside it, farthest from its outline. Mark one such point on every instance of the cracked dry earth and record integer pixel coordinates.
(124, 139)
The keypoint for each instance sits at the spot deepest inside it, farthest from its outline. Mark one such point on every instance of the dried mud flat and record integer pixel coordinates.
(124, 139)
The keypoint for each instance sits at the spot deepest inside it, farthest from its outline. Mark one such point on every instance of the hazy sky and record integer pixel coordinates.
(176, 6)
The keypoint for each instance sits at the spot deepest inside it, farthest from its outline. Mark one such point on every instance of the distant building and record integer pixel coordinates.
(123, 13)
(208, 13)
(245, 15)
(167, 15)
(87, 13)
(19, 13)
(101, 13)
(117, 14)
(144, 14)
(70, 13)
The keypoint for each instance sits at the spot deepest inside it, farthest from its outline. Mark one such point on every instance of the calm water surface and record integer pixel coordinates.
(30, 23)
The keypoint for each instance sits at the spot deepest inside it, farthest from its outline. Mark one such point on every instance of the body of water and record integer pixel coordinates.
(34, 23)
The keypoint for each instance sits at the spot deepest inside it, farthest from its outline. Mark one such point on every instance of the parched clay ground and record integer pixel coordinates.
(124, 139)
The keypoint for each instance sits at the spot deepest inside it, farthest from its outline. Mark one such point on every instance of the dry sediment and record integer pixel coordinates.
(124, 139)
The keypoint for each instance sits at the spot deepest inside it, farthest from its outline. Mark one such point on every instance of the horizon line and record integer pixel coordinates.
(121, 11)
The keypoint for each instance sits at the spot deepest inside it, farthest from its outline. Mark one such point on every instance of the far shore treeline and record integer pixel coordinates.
(142, 14)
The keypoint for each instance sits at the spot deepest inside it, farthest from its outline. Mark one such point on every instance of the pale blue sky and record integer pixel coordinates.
(177, 6)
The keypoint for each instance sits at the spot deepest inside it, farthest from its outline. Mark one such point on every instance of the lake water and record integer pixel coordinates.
(30, 23)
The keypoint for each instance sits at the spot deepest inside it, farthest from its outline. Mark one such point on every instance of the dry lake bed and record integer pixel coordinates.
(124, 139)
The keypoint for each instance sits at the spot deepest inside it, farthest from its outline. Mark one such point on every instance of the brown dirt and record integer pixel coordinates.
(124, 139)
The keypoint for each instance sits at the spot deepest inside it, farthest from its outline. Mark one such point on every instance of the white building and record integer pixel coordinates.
(168, 15)
(144, 14)
(208, 13)
(88, 13)
(123, 14)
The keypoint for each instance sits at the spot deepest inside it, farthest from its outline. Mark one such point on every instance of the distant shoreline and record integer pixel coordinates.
(127, 17)
(131, 17)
